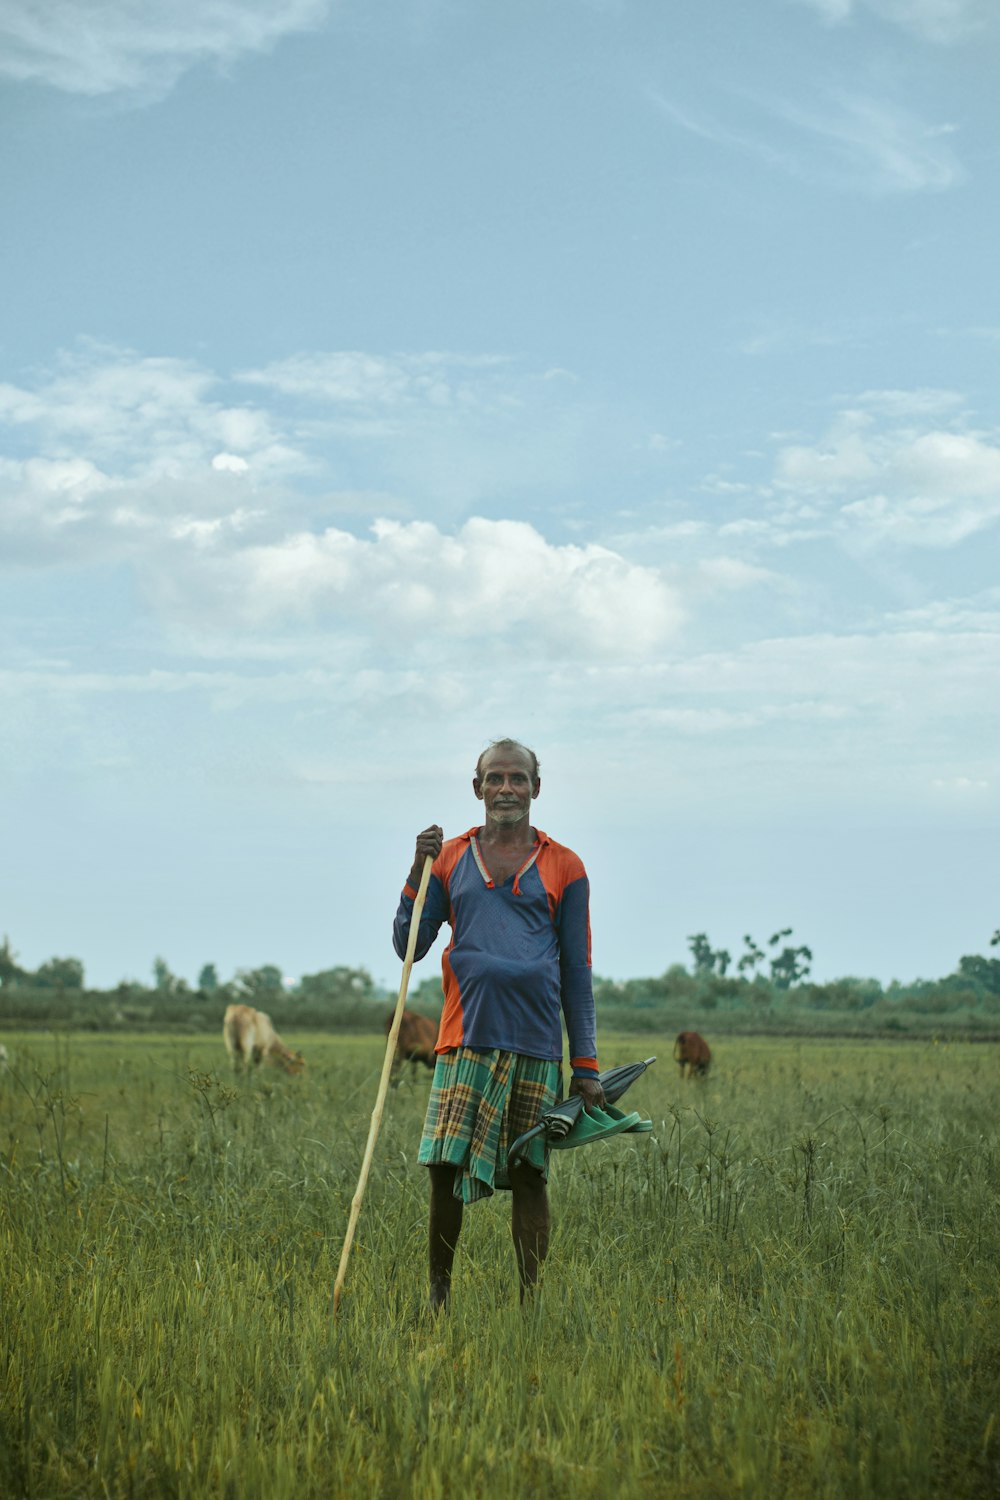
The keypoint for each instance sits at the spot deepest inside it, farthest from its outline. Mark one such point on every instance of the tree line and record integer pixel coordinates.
(767, 986)
(56, 992)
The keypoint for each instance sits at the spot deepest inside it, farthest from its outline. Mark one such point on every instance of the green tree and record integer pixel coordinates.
(258, 984)
(752, 959)
(791, 964)
(165, 981)
(10, 969)
(208, 979)
(163, 978)
(340, 983)
(707, 960)
(60, 974)
(701, 952)
(983, 972)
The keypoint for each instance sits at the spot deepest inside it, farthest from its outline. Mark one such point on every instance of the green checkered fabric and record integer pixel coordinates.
(480, 1103)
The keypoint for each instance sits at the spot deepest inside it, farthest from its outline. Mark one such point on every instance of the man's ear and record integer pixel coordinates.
(536, 788)
(477, 787)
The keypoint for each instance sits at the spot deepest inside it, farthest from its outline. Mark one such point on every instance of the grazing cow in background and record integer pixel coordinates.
(3, 1058)
(692, 1051)
(250, 1038)
(415, 1043)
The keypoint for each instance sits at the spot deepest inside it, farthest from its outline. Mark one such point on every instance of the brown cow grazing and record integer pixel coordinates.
(692, 1051)
(250, 1038)
(415, 1043)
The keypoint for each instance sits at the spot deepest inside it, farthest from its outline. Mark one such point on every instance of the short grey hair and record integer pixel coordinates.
(508, 744)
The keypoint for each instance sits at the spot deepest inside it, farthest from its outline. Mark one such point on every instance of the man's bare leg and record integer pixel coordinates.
(530, 1224)
(445, 1227)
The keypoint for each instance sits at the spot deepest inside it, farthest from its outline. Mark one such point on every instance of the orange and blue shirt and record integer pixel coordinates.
(519, 956)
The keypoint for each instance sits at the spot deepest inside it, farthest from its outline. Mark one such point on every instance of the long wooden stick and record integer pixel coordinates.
(383, 1087)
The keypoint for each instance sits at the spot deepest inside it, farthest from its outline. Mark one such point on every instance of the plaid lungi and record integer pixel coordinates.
(480, 1103)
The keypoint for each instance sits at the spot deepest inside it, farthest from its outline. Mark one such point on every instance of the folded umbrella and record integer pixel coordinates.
(616, 1080)
(567, 1124)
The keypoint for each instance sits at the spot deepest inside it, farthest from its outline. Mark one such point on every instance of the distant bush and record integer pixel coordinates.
(346, 999)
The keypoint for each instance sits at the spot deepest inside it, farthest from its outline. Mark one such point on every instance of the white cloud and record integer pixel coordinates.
(144, 415)
(70, 478)
(500, 581)
(166, 442)
(154, 462)
(943, 21)
(844, 460)
(840, 694)
(875, 145)
(377, 382)
(923, 402)
(896, 469)
(944, 463)
(741, 137)
(774, 335)
(44, 502)
(981, 612)
(729, 573)
(851, 140)
(117, 446)
(854, 720)
(920, 522)
(101, 47)
(144, 459)
(70, 510)
(881, 683)
(927, 489)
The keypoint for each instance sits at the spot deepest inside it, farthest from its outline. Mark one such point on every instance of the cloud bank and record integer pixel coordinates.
(714, 648)
(101, 47)
(149, 462)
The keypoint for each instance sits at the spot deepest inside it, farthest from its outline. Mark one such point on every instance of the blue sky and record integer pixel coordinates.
(376, 380)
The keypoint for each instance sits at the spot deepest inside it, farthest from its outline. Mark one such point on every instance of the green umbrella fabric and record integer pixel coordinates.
(567, 1124)
(594, 1125)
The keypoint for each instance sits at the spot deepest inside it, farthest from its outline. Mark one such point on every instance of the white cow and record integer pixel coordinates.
(250, 1038)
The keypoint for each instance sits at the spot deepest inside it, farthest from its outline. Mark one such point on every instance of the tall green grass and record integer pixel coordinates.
(790, 1288)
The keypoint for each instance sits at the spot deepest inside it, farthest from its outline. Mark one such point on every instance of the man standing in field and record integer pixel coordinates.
(518, 905)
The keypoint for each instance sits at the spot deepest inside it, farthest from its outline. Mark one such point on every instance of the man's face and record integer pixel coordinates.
(506, 785)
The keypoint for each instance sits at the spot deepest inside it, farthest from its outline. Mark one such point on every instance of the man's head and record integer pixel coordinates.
(507, 781)
(509, 745)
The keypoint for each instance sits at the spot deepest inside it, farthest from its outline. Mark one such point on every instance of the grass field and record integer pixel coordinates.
(790, 1288)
